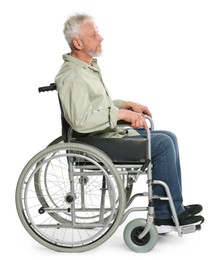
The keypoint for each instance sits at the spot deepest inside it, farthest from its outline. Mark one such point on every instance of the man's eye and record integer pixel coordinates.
(94, 34)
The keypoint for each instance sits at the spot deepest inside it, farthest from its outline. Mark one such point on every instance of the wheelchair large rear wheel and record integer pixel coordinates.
(70, 197)
(127, 183)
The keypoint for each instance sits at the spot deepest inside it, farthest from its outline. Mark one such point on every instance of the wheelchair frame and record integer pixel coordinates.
(73, 195)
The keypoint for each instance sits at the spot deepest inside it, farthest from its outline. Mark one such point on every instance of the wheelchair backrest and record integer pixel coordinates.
(65, 125)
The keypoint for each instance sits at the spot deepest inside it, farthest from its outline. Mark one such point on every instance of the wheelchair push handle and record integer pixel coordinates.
(51, 87)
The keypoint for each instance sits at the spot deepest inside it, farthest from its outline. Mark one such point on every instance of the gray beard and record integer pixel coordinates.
(94, 54)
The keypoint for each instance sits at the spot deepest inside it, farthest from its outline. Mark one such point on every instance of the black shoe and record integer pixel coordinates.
(185, 219)
(193, 209)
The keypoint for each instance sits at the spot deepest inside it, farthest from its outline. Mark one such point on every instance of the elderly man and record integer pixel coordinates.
(89, 109)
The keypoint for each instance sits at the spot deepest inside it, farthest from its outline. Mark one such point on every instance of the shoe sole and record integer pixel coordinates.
(164, 229)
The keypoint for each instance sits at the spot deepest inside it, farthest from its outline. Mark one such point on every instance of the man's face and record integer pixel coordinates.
(91, 39)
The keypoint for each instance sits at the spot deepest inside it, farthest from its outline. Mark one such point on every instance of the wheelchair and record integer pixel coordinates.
(74, 194)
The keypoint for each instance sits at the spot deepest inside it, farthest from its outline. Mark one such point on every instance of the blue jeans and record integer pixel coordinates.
(166, 167)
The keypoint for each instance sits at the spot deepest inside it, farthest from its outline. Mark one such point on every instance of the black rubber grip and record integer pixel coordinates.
(47, 88)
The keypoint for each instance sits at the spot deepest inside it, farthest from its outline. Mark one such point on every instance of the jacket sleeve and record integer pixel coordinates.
(84, 114)
(118, 103)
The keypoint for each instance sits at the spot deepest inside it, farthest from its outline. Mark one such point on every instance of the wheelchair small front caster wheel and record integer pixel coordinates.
(131, 232)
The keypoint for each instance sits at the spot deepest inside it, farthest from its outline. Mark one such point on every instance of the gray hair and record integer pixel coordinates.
(73, 25)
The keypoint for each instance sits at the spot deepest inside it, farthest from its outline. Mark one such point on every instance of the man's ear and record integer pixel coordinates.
(77, 43)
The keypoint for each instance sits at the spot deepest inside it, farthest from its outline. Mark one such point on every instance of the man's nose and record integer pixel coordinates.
(100, 37)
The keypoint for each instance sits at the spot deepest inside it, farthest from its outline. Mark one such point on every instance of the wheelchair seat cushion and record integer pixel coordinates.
(120, 150)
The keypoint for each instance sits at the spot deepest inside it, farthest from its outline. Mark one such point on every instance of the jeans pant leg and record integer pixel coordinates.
(175, 142)
(166, 167)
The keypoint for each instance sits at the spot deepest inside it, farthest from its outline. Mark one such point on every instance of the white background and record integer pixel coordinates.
(160, 53)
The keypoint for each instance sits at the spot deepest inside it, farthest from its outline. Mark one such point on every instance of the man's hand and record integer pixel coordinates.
(136, 120)
(136, 108)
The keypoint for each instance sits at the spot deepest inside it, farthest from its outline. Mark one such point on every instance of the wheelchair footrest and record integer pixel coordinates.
(190, 229)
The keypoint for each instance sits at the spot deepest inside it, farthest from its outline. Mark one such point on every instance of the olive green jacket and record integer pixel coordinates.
(86, 103)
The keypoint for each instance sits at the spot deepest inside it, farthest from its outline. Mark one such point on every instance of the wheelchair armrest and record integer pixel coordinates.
(122, 122)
